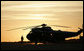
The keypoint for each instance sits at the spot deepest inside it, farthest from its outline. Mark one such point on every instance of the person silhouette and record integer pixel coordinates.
(22, 38)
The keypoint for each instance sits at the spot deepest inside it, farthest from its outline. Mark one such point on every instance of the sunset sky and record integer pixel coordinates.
(15, 14)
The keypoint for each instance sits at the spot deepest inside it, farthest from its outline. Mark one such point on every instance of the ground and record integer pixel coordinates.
(40, 46)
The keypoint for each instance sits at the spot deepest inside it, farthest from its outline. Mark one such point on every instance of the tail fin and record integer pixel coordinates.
(81, 30)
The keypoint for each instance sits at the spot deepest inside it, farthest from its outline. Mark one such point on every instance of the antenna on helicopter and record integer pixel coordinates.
(43, 19)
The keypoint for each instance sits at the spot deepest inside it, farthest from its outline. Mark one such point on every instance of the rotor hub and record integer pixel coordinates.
(44, 25)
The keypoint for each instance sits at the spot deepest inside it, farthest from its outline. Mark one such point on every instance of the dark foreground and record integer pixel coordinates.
(48, 46)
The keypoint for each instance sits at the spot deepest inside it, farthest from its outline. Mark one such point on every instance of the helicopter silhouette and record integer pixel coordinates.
(44, 33)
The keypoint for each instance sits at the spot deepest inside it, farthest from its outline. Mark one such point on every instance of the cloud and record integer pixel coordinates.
(18, 10)
(38, 6)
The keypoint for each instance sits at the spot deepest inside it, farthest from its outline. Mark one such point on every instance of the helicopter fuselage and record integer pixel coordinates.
(46, 34)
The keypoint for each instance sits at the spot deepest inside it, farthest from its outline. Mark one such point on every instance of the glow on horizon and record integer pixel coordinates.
(16, 14)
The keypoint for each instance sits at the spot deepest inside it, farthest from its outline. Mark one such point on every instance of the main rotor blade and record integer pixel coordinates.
(32, 27)
(61, 26)
(15, 28)
(24, 28)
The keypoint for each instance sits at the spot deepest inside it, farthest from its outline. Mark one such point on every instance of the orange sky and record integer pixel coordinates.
(16, 14)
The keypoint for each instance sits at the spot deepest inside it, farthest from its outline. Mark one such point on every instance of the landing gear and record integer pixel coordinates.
(35, 42)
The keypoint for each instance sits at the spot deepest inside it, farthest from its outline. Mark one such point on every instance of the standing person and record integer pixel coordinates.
(22, 38)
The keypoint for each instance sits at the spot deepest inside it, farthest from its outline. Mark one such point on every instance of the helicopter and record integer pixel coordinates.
(44, 33)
